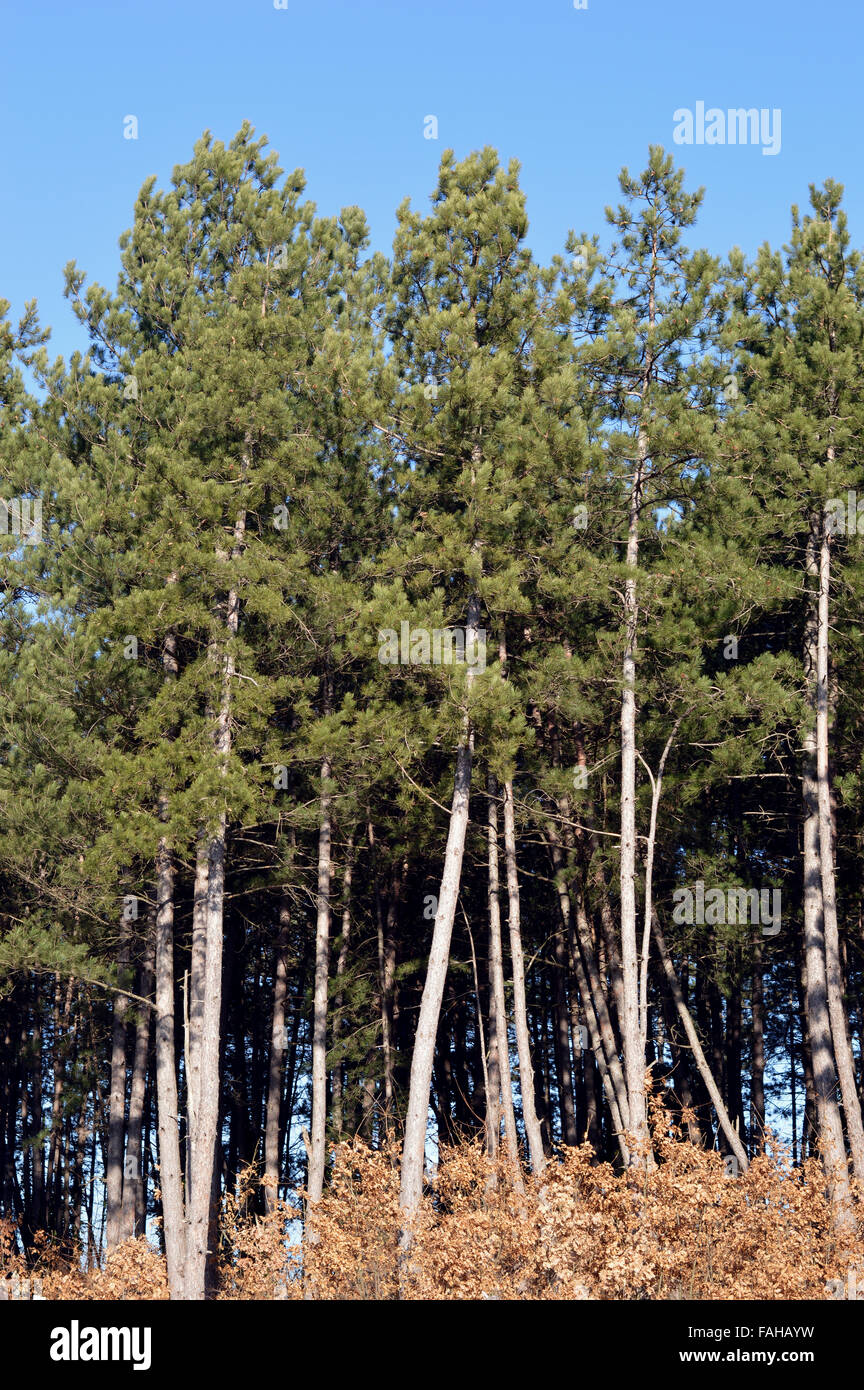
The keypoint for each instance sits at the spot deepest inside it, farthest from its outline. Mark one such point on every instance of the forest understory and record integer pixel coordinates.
(689, 1230)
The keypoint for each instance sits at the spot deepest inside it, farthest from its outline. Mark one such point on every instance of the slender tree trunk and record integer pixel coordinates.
(500, 1101)
(757, 1050)
(734, 1096)
(276, 1068)
(341, 964)
(207, 1037)
(133, 1173)
(193, 994)
(117, 1106)
(318, 1154)
(520, 1010)
(170, 1183)
(631, 1033)
(818, 1017)
(413, 1151)
(834, 966)
(561, 1024)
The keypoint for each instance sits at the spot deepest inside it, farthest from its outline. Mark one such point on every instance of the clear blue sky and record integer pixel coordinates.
(341, 89)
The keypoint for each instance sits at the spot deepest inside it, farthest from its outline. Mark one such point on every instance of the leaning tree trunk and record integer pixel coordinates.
(834, 966)
(413, 1149)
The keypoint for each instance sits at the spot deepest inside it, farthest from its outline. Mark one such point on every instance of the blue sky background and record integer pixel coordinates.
(341, 89)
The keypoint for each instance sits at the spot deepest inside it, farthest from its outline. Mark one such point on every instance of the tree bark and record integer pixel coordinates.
(631, 1033)
(117, 1106)
(520, 1011)
(207, 1036)
(413, 1150)
(318, 1154)
(173, 1216)
(276, 1068)
(500, 1102)
(133, 1173)
(336, 1084)
(834, 966)
(757, 1050)
(831, 1139)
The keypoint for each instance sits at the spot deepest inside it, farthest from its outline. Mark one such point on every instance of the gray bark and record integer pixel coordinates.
(206, 1035)
(318, 1153)
(277, 1062)
(634, 1051)
(834, 965)
(117, 1107)
(133, 1173)
(500, 1100)
(341, 963)
(520, 1010)
(413, 1150)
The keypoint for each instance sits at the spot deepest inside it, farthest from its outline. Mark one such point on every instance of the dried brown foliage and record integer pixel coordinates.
(583, 1231)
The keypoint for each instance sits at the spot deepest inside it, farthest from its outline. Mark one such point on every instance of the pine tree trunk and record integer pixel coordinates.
(500, 1101)
(206, 1037)
(757, 1048)
(170, 1182)
(818, 1019)
(520, 1011)
(117, 1108)
(318, 1154)
(133, 1174)
(413, 1150)
(276, 1067)
(194, 997)
(634, 1052)
(561, 1024)
(336, 1085)
(834, 967)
